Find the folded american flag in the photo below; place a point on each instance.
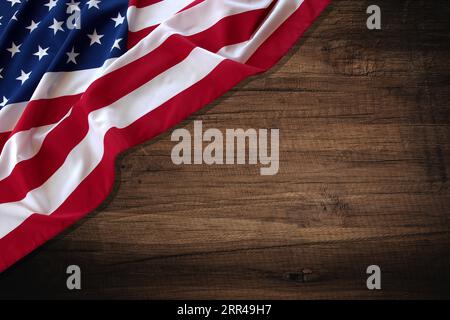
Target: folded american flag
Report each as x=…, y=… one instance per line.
x=81, y=81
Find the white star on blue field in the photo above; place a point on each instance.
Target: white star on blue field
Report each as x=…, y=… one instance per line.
x=39, y=36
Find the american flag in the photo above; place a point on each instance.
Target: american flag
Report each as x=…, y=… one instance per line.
x=82, y=81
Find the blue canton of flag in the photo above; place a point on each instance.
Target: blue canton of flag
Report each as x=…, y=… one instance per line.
x=40, y=36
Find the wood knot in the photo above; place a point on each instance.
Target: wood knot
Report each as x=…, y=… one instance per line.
x=306, y=275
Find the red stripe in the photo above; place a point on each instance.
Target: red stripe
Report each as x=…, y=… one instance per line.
x=135, y=37
x=230, y=30
x=30, y=174
x=3, y=138
x=36, y=113
x=193, y=4
x=92, y=191
x=142, y=3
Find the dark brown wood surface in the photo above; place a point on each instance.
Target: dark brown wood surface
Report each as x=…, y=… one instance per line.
x=365, y=152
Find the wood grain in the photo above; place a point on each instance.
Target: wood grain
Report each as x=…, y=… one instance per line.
x=364, y=119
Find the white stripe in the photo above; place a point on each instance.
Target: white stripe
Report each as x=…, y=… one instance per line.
x=83, y=159
x=141, y=18
x=10, y=115
x=19, y=147
x=58, y=84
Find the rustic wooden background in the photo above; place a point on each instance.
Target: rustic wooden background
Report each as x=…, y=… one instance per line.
x=365, y=152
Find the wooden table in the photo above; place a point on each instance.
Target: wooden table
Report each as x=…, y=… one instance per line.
x=364, y=179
